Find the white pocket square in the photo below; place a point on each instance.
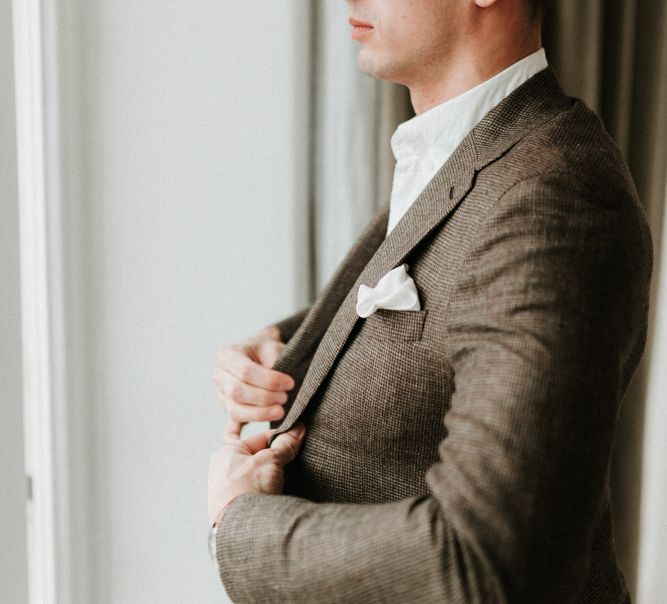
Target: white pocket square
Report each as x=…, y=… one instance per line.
x=395, y=291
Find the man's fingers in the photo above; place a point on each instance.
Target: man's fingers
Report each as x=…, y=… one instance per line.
x=233, y=388
x=236, y=362
x=268, y=352
x=286, y=446
x=251, y=413
x=258, y=442
x=232, y=431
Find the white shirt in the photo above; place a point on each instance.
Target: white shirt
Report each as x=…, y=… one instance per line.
x=424, y=143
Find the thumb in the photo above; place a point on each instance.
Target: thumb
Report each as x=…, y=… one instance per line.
x=287, y=445
x=257, y=442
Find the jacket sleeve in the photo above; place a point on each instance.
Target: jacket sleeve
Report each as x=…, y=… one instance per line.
x=289, y=325
x=545, y=327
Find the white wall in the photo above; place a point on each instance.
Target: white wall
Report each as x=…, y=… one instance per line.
x=13, y=569
x=192, y=121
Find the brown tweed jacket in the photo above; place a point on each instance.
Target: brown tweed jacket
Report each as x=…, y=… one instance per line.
x=460, y=453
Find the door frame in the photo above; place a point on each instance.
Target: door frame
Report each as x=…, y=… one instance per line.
x=47, y=435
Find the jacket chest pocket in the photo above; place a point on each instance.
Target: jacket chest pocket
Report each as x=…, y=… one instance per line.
x=394, y=325
x=392, y=384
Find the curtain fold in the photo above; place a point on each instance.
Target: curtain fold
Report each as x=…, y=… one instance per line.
x=354, y=117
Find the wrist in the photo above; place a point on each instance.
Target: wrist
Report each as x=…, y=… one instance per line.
x=221, y=513
x=213, y=532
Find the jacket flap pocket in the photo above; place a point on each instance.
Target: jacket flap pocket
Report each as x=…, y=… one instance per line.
x=398, y=325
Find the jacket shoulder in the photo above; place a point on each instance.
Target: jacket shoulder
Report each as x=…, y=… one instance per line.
x=575, y=145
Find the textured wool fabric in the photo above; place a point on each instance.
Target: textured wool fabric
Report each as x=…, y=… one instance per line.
x=460, y=453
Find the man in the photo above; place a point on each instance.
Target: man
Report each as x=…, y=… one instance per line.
x=452, y=394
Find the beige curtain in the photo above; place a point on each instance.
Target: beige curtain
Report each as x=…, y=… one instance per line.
x=353, y=118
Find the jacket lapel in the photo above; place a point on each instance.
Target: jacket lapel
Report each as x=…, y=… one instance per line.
x=503, y=127
x=437, y=201
x=319, y=317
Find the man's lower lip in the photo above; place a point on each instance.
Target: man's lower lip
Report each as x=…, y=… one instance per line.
x=359, y=32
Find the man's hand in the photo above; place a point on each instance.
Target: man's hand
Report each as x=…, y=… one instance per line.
x=249, y=389
x=249, y=465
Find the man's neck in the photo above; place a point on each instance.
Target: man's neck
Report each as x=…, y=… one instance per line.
x=464, y=74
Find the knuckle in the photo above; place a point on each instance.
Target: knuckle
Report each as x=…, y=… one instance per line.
x=288, y=443
x=260, y=414
x=245, y=372
x=290, y=449
x=227, y=387
x=274, y=381
x=223, y=391
x=269, y=474
x=235, y=391
x=265, y=399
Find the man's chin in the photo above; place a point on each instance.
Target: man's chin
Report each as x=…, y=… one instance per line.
x=373, y=68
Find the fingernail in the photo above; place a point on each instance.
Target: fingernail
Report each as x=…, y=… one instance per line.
x=277, y=412
x=283, y=398
x=298, y=430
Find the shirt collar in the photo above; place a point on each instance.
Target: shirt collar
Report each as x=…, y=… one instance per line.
x=437, y=132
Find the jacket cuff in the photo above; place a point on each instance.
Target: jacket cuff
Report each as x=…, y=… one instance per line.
x=236, y=543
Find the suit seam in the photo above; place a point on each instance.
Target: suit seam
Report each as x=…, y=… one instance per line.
x=546, y=174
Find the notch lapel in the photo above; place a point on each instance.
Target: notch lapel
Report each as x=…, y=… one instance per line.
x=320, y=315
x=536, y=101
x=447, y=188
